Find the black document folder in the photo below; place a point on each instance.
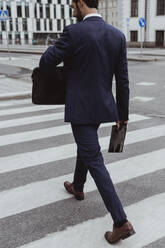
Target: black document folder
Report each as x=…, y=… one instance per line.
x=117, y=138
x=48, y=88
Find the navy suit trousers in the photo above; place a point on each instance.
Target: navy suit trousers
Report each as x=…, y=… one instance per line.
x=89, y=157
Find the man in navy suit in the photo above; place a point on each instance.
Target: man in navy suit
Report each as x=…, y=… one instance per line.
x=93, y=51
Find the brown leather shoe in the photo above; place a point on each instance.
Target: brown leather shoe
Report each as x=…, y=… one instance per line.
x=69, y=187
x=123, y=232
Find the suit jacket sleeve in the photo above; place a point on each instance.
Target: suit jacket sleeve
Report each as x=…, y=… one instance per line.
x=122, y=83
x=55, y=54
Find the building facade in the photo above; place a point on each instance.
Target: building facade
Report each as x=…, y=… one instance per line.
x=108, y=10
x=153, y=11
x=34, y=21
x=125, y=15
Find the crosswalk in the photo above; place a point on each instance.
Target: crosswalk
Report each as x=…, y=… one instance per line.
x=37, y=212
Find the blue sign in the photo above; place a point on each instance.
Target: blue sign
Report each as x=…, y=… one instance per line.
x=142, y=22
x=4, y=15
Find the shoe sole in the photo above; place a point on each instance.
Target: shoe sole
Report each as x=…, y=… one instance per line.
x=129, y=234
x=79, y=199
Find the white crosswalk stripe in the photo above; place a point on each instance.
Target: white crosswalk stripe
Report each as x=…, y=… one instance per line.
x=28, y=109
x=31, y=120
x=50, y=132
x=34, y=158
x=6, y=103
x=143, y=215
x=25, y=198
x=52, y=117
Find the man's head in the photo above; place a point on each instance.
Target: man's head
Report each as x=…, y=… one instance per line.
x=83, y=7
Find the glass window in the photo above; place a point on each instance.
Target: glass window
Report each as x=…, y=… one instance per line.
x=134, y=36
x=70, y=11
x=38, y=26
x=26, y=37
x=64, y=22
x=134, y=8
x=45, y=27
x=11, y=24
x=62, y=11
x=16, y=24
x=9, y=8
x=41, y=11
x=54, y=11
x=50, y=25
x=58, y=24
x=3, y=25
x=18, y=38
x=1, y=5
x=35, y=11
x=160, y=7
x=19, y=10
x=26, y=10
x=47, y=11
x=24, y=20
x=10, y=38
x=0, y=38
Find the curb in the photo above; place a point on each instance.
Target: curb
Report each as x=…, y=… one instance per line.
x=39, y=52
x=13, y=96
x=23, y=51
x=143, y=59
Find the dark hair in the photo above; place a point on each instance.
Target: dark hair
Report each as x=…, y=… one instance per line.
x=91, y=3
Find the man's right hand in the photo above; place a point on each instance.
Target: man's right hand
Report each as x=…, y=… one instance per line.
x=118, y=123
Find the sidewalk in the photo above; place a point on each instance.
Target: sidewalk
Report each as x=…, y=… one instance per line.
x=134, y=54
x=35, y=49
x=29, y=49
x=14, y=89
x=15, y=78
x=15, y=74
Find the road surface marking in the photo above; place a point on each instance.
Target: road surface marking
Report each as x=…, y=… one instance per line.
x=44, y=192
x=147, y=217
x=34, y=158
x=50, y=132
x=146, y=83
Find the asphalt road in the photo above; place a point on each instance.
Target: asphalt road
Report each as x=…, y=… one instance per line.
x=38, y=154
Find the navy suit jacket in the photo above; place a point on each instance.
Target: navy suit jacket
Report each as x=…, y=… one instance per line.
x=93, y=51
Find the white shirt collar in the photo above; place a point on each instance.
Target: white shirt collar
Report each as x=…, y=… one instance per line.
x=90, y=15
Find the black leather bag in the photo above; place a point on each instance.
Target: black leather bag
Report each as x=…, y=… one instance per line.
x=117, y=138
x=48, y=88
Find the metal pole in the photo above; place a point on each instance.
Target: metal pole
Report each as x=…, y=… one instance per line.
x=146, y=18
x=141, y=42
x=7, y=40
x=128, y=36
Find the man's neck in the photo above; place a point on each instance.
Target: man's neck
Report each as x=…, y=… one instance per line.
x=92, y=11
x=91, y=14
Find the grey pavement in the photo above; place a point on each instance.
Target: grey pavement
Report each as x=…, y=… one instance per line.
x=15, y=70
x=15, y=76
x=35, y=49
x=36, y=156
